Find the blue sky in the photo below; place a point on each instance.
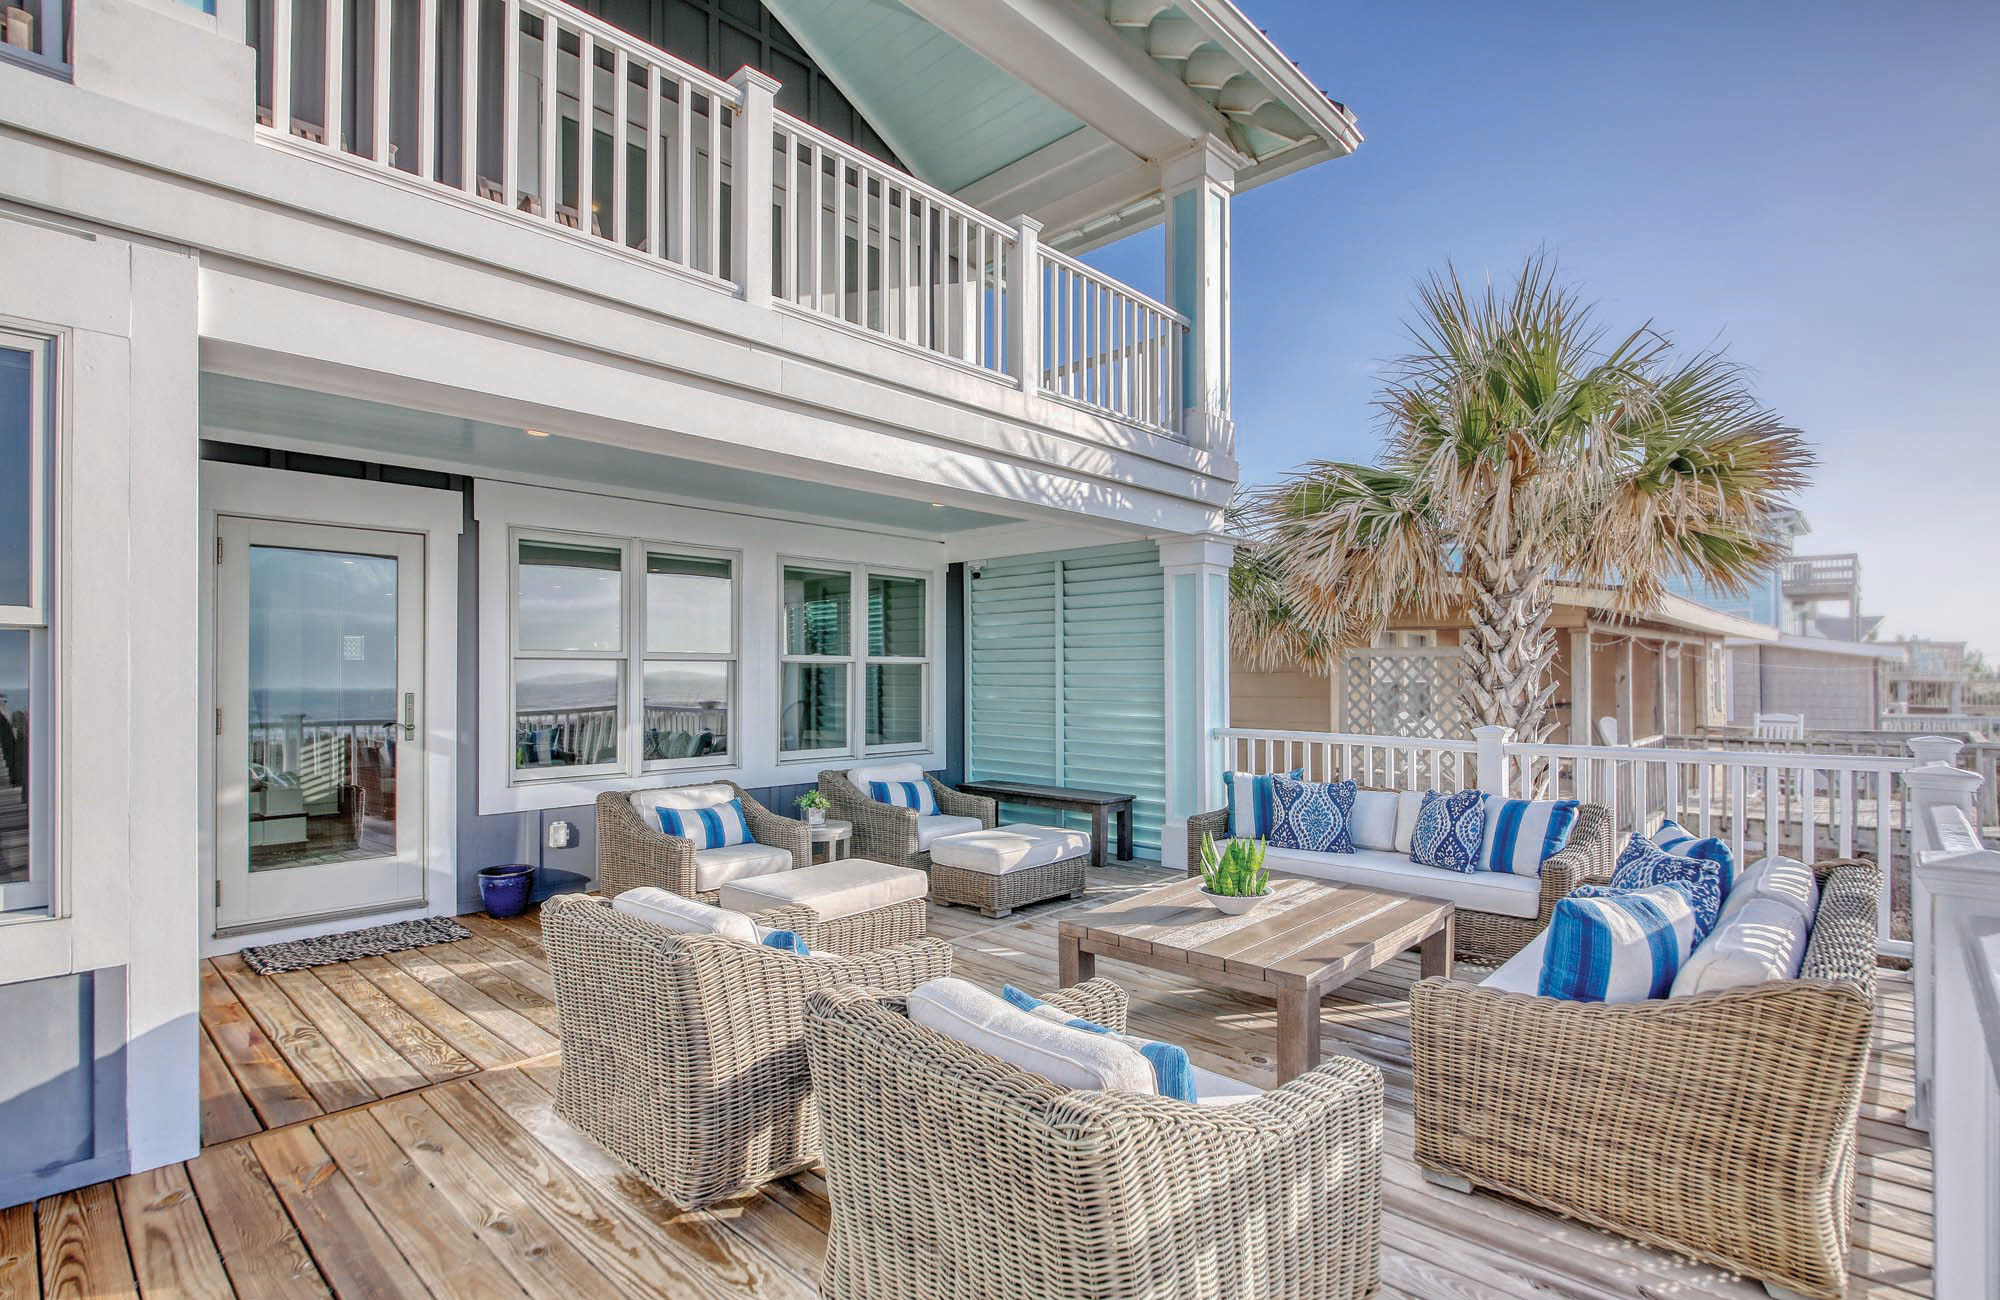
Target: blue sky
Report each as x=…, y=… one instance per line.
x=1817, y=186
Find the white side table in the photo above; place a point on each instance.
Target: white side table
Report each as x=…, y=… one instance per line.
x=835, y=835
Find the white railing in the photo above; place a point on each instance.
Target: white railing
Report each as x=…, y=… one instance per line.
x=1110, y=347
x=864, y=243
x=1758, y=802
x=1931, y=724
x=486, y=101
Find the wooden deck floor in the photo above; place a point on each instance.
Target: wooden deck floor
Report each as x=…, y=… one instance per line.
x=386, y=1128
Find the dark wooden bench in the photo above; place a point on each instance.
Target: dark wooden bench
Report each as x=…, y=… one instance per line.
x=1100, y=804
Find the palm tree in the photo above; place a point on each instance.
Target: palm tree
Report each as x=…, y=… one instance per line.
x=1524, y=447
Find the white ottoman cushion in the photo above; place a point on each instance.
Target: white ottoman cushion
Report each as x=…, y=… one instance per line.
x=930, y=829
x=678, y=797
x=713, y=868
x=832, y=890
x=1005, y=849
x=683, y=915
x=1070, y=1058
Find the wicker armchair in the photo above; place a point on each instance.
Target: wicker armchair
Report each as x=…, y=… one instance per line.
x=684, y=1055
x=1720, y=1126
x=952, y=1173
x=889, y=834
x=1487, y=937
x=632, y=852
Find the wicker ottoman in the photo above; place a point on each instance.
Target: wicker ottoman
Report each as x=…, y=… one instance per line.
x=1005, y=867
x=855, y=905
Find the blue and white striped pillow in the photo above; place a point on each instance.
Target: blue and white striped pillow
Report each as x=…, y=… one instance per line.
x=1642, y=864
x=709, y=828
x=1617, y=945
x=905, y=794
x=1522, y=834
x=1451, y=831
x=1253, y=808
x=1173, y=1073
x=1680, y=841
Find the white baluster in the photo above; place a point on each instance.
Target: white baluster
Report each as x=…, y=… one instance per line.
x=551, y=134
x=469, y=12
x=510, y=106
x=656, y=189
x=712, y=190
x=281, y=66
x=335, y=44
x=427, y=89
x=384, y=75
x=586, y=133
x=621, y=110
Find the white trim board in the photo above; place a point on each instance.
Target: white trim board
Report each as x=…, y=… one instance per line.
x=317, y=498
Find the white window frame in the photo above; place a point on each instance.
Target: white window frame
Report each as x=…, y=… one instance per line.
x=621, y=656
x=857, y=660
x=644, y=654
x=923, y=661
x=34, y=897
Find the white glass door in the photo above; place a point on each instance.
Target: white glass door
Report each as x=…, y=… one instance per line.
x=319, y=722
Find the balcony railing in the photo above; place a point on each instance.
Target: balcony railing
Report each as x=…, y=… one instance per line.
x=486, y=100
x=1822, y=571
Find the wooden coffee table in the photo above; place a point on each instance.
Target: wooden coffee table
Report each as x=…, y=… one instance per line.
x=1303, y=942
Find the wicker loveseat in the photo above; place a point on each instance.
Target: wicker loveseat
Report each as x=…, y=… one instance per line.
x=1481, y=936
x=952, y=1173
x=684, y=1055
x=1719, y=1125
x=632, y=851
x=894, y=835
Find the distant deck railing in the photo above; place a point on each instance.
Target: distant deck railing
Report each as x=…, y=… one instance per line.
x=1760, y=802
x=487, y=104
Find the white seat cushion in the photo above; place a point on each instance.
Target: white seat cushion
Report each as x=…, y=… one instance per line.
x=1070, y=1058
x=930, y=828
x=1212, y=1089
x=1783, y=880
x=890, y=773
x=832, y=889
x=1373, y=821
x=1005, y=849
x=1522, y=972
x=1481, y=891
x=683, y=915
x=1763, y=940
x=681, y=797
x=713, y=868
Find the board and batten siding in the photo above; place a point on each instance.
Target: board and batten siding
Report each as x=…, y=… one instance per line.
x=1066, y=678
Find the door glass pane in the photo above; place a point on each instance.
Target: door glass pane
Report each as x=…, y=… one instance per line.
x=17, y=482
x=566, y=712
x=815, y=707
x=896, y=617
x=895, y=704
x=571, y=597
x=322, y=707
x=687, y=709
x=816, y=611
x=687, y=605
x=16, y=704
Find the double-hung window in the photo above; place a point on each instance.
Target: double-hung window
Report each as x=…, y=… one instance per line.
x=27, y=420
x=830, y=660
x=624, y=656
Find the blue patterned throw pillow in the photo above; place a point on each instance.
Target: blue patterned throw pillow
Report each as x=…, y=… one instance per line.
x=1173, y=1073
x=905, y=794
x=1522, y=834
x=1678, y=839
x=1451, y=831
x=1252, y=806
x=1643, y=864
x=709, y=828
x=1313, y=815
x=1617, y=945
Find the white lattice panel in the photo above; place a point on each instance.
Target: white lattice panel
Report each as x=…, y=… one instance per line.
x=1405, y=692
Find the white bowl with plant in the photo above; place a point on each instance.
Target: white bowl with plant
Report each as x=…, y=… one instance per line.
x=1233, y=877
x=814, y=805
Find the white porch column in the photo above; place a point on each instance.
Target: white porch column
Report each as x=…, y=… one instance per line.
x=1197, y=645
x=1941, y=823
x=1197, y=187
x=750, y=184
x=1494, y=776
x=1024, y=304
x=1580, y=687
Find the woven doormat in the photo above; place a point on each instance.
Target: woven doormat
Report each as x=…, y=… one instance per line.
x=299, y=954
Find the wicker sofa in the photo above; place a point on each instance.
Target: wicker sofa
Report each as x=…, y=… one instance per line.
x=952, y=1173
x=1720, y=1125
x=684, y=1055
x=632, y=852
x=1481, y=935
x=893, y=835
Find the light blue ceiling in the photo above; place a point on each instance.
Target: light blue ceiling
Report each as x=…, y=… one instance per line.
x=946, y=111
x=249, y=410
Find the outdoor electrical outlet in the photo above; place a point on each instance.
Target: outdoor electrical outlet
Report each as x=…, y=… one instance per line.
x=561, y=835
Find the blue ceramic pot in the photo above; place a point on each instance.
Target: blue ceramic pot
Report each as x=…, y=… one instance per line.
x=504, y=890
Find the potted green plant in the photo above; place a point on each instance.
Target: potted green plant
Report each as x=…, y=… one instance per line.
x=1233, y=876
x=814, y=805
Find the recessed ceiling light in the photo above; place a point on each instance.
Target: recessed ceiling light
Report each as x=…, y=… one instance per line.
x=937, y=505
x=536, y=433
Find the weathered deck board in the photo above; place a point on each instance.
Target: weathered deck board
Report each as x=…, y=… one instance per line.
x=463, y=1180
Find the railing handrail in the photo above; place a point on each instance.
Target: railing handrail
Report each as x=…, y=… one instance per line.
x=1789, y=759
x=839, y=148
x=582, y=20
x=1346, y=738
x=1103, y=281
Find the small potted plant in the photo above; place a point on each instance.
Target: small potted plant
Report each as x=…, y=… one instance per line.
x=814, y=805
x=1233, y=877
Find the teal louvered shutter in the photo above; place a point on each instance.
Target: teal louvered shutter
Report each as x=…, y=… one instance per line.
x=1114, y=682
x=1012, y=727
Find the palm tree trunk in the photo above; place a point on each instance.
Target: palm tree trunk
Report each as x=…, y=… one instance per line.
x=1510, y=648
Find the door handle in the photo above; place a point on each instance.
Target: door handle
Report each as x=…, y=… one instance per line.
x=409, y=715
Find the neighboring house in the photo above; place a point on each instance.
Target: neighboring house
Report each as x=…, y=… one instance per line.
x=1834, y=685
x=1657, y=674
x=386, y=476
x=1935, y=678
